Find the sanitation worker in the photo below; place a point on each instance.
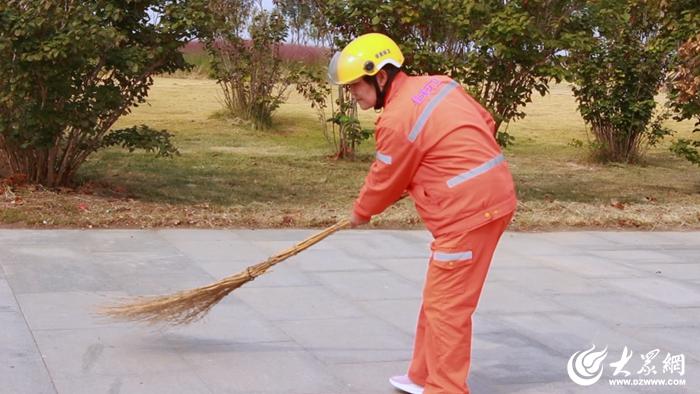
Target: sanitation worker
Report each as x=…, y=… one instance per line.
x=437, y=143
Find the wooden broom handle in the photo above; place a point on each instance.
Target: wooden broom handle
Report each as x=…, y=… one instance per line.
x=305, y=244
x=315, y=238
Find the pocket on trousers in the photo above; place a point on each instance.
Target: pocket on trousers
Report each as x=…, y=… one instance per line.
x=451, y=260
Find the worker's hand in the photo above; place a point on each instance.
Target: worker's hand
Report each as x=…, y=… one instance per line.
x=357, y=220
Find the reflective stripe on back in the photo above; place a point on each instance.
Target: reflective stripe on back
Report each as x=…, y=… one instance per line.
x=386, y=159
x=465, y=176
x=420, y=123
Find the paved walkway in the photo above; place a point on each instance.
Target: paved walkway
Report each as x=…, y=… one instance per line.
x=339, y=318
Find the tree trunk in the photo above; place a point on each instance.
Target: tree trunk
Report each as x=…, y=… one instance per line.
x=39, y=165
x=342, y=140
x=498, y=125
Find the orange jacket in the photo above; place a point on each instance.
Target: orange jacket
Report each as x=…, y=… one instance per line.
x=437, y=142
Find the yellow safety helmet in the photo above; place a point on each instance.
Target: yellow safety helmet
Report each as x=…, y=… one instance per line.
x=365, y=55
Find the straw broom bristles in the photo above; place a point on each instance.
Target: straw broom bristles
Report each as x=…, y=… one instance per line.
x=191, y=305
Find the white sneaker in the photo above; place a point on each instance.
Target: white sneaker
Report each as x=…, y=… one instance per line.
x=404, y=383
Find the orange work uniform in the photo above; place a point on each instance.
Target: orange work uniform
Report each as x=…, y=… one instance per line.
x=436, y=142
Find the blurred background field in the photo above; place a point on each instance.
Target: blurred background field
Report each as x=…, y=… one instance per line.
x=228, y=174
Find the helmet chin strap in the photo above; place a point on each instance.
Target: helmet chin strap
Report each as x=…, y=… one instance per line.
x=381, y=92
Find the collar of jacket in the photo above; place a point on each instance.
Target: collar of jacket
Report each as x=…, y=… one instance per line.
x=393, y=91
x=396, y=84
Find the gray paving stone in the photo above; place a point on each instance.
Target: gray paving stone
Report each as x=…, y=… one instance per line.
x=580, y=239
x=47, y=253
x=323, y=260
x=79, y=353
x=148, y=244
x=296, y=303
x=501, y=297
x=7, y=298
x=684, y=237
x=272, y=248
x=678, y=271
x=686, y=254
x=423, y=236
x=513, y=374
x=547, y=281
x=355, y=340
x=68, y=310
x=34, y=275
x=591, y=266
x=508, y=357
x=413, y=269
x=72, y=243
x=230, y=323
x=10, y=237
x=625, y=310
x=184, y=382
x=505, y=257
x=21, y=367
x=369, y=377
x=567, y=333
x=263, y=368
x=484, y=322
x=337, y=318
x=65, y=268
x=381, y=245
x=237, y=250
x=558, y=387
x=291, y=236
x=369, y=285
x=153, y=276
x=219, y=269
x=665, y=291
x=681, y=340
x=402, y=314
x=284, y=275
x=531, y=244
x=177, y=236
x=634, y=255
x=645, y=238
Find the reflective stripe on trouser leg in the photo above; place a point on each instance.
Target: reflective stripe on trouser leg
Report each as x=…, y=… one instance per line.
x=448, y=256
x=449, y=300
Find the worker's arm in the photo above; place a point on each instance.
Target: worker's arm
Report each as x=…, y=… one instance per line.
x=396, y=161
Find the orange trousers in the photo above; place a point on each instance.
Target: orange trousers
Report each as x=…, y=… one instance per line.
x=456, y=274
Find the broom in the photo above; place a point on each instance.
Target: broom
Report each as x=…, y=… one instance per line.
x=191, y=305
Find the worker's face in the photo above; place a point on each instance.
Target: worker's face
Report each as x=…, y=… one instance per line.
x=364, y=93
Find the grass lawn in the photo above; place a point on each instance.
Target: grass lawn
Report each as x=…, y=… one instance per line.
x=230, y=175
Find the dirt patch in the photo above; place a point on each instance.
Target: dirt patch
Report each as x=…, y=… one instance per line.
x=34, y=206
